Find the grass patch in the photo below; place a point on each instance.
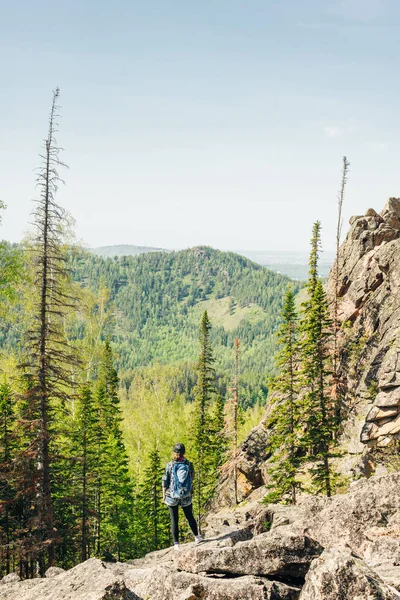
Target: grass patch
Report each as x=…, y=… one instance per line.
x=225, y=313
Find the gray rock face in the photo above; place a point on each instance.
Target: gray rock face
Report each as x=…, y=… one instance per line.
x=283, y=554
x=163, y=583
x=54, y=572
x=369, y=283
x=366, y=520
x=337, y=575
x=89, y=581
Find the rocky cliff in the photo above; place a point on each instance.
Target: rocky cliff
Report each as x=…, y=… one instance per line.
x=369, y=282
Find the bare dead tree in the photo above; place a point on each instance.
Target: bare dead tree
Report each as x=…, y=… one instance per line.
x=235, y=415
x=336, y=324
x=49, y=356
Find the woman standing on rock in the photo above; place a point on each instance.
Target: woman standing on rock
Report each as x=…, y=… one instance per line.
x=177, y=484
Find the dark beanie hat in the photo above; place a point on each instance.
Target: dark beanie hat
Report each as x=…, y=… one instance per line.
x=179, y=449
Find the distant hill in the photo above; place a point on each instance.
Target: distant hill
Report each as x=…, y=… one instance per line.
x=124, y=250
x=159, y=299
x=292, y=264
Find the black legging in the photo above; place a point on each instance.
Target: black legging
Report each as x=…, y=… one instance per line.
x=188, y=510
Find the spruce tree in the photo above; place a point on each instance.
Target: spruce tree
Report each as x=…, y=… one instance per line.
x=284, y=421
x=202, y=427
x=85, y=449
x=313, y=259
x=318, y=413
x=113, y=488
x=218, y=438
x=153, y=523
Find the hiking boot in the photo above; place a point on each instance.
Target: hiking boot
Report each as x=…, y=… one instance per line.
x=198, y=538
x=177, y=547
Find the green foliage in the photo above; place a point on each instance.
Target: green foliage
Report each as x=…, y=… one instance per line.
x=11, y=270
x=218, y=440
x=285, y=420
x=320, y=425
x=203, y=432
x=8, y=447
x=303, y=421
x=152, y=530
x=114, y=492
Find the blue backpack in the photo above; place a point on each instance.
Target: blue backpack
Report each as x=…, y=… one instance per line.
x=181, y=480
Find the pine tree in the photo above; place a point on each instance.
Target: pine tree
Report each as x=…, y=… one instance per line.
x=25, y=478
x=218, y=438
x=153, y=522
x=85, y=449
x=202, y=429
x=284, y=422
x=319, y=416
x=113, y=488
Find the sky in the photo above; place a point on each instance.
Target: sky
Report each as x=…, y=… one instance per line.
x=220, y=122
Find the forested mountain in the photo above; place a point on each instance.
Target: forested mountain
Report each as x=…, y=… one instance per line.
x=158, y=300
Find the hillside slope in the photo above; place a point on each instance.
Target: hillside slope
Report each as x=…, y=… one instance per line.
x=159, y=298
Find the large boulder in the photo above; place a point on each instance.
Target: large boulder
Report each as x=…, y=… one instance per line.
x=340, y=575
x=10, y=579
x=91, y=580
x=167, y=583
x=283, y=554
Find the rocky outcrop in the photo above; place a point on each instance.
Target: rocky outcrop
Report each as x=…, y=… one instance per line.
x=369, y=284
x=283, y=554
x=339, y=574
x=166, y=582
x=366, y=521
x=250, y=463
x=345, y=547
x=91, y=580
